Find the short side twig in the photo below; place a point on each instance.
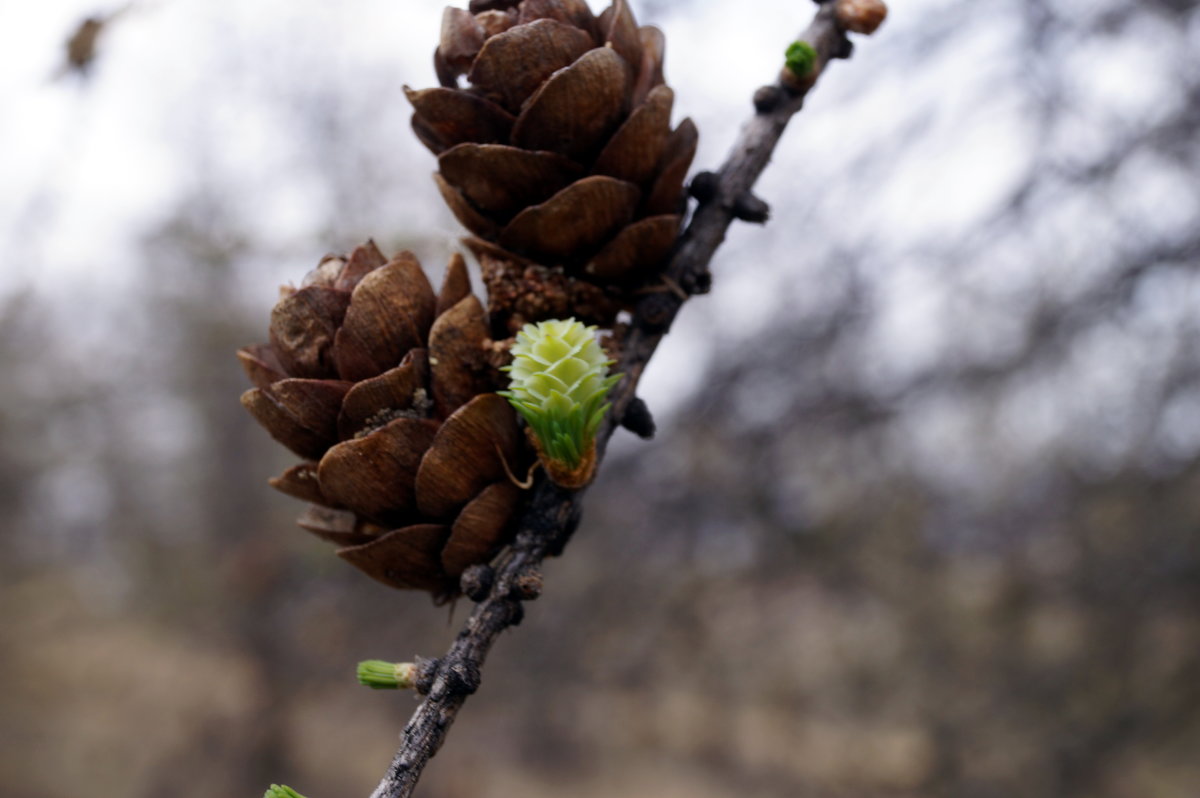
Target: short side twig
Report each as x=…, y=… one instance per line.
x=553, y=513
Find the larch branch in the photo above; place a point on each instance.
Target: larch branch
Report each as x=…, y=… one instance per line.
x=552, y=513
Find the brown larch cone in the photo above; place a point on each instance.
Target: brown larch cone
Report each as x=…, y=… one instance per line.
x=384, y=388
x=560, y=153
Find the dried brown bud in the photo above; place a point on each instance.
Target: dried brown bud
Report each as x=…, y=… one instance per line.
x=81, y=46
x=861, y=16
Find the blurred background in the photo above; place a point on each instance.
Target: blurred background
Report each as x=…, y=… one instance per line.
x=921, y=518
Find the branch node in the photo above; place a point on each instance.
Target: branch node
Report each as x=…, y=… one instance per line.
x=705, y=185
x=476, y=582
x=427, y=671
x=767, y=98
x=637, y=419
x=750, y=208
x=463, y=678
x=656, y=311
x=697, y=282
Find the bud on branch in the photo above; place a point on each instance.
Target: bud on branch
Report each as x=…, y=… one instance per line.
x=380, y=675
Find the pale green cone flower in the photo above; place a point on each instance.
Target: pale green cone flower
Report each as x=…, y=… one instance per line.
x=559, y=383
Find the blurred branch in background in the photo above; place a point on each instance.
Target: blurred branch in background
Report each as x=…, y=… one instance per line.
x=947, y=497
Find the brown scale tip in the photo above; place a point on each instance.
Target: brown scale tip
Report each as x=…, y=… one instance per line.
x=861, y=16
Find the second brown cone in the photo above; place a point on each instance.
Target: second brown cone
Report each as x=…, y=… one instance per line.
x=559, y=155
x=384, y=389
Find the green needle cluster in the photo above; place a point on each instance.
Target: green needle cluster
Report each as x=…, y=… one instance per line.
x=559, y=383
x=280, y=791
x=800, y=58
x=380, y=675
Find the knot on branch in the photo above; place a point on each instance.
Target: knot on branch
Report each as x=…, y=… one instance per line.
x=427, y=671
x=656, y=311
x=637, y=419
x=704, y=187
x=767, y=99
x=697, y=282
x=462, y=678
x=476, y=582
x=750, y=208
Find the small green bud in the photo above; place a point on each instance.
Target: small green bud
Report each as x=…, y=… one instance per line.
x=559, y=383
x=800, y=58
x=281, y=791
x=380, y=675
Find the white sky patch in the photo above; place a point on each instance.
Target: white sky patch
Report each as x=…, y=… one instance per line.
x=1164, y=303
x=1157, y=197
x=1127, y=77
x=906, y=336
x=970, y=154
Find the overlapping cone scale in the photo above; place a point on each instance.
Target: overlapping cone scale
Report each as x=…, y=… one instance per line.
x=557, y=149
x=384, y=389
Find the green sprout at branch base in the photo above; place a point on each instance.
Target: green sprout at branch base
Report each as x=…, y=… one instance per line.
x=559, y=384
x=380, y=675
x=280, y=791
x=800, y=58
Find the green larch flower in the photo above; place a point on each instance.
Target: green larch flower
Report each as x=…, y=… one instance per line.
x=559, y=383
